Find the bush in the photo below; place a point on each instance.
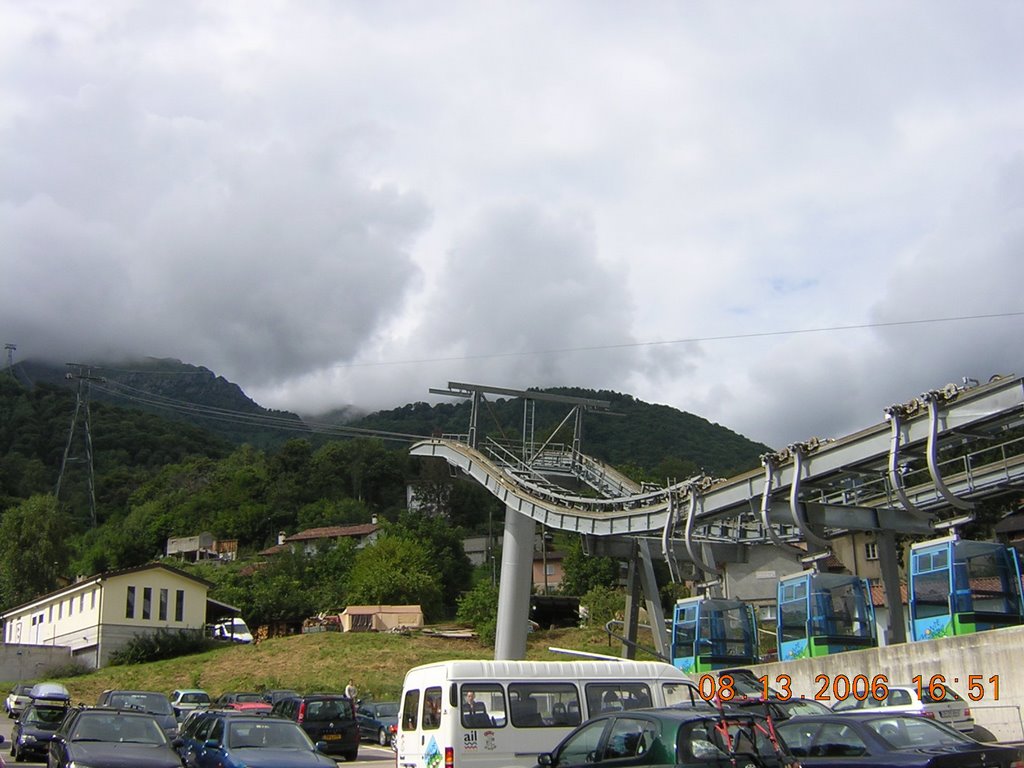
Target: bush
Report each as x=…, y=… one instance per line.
x=163, y=644
x=67, y=669
x=479, y=609
x=602, y=604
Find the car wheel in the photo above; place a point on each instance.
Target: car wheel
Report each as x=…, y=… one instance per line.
x=382, y=737
x=350, y=757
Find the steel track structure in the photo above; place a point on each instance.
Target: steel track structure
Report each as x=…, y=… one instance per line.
x=941, y=452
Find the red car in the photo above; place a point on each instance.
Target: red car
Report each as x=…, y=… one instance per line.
x=244, y=702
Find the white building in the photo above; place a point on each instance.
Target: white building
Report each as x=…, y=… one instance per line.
x=96, y=616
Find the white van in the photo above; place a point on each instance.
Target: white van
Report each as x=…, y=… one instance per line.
x=235, y=630
x=493, y=714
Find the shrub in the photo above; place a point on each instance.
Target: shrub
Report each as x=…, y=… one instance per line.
x=479, y=609
x=163, y=644
x=602, y=604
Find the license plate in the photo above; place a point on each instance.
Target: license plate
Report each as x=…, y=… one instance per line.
x=332, y=736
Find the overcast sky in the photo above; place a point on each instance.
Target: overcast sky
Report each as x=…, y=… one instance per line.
x=335, y=202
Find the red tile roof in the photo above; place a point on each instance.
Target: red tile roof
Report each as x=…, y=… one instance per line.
x=334, y=532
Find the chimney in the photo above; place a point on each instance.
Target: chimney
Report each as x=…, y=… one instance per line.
x=280, y=537
x=373, y=520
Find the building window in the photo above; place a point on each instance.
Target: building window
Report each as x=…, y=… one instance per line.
x=60, y=610
x=179, y=605
x=163, y=605
x=870, y=551
x=147, y=602
x=129, y=610
x=92, y=600
x=51, y=613
x=71, y=605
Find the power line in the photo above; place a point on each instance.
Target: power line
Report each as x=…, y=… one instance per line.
x=689, y=340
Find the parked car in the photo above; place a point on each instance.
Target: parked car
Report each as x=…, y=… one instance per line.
x=185, y=700
x=327, y=717
x=782, y=710
x=378, y=721
x=151, y=702
x=249, y=702
x=275, y=695
x=884, y=740
x=950, y=710
x=226, y=739
x=108, y=737
x=31, y=734
x=17, y=699
x=670, y=737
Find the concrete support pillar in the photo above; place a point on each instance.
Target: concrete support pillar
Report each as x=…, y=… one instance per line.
x=889, y=562
x=514, y=587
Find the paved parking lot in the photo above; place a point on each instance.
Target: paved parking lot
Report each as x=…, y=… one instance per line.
x=369, y=754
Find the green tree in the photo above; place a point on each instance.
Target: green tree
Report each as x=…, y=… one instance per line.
x=33, y=549
x=479, y=608
x=453, y=570
x=582, y=572
x=396, y=570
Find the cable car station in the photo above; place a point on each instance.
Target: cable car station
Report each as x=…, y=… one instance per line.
x=916, y=474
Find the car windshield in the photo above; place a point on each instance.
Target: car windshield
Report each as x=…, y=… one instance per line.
x=135, y=730
x=22, y=690
x=43, y=716
x=267, y=734
x=249, y=698
x=915, y=732
x=155, y=703
x=194, y=698
x=386, y=710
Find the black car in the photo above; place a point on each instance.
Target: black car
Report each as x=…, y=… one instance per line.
x=109, y=737
x=780, y=710
x=150, y=702
x=327, y=717
x=671, y=736
x=874, y=740
x=377, y=721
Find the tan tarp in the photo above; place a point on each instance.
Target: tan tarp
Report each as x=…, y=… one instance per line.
x=380, y=618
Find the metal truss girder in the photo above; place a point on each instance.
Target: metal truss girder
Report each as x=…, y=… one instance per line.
x=861, y=518
x=871, y=445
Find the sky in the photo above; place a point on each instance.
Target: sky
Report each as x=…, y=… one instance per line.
x=780, y=216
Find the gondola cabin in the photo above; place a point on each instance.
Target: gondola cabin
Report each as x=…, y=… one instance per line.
x=824, y=613
x=960, y=587
x=713, y=633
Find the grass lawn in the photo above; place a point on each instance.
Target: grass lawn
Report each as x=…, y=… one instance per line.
x=325, y=661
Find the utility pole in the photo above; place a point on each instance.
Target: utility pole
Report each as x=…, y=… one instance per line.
x=85, y=378
x=10, y=356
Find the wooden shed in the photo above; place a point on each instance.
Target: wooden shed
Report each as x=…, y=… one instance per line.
x=380, y=618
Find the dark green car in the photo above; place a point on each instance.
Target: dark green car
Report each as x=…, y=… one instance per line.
x=670, y=737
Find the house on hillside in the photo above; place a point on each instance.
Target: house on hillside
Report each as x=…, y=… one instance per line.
x=99, y=615
x=313, y=540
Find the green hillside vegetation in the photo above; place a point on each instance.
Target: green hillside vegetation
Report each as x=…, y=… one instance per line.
x=157, y=479
x=323, y=661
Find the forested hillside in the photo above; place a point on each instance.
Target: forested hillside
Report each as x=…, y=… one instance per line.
x=156, y=478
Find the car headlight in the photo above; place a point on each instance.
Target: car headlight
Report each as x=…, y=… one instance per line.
x=26, y=738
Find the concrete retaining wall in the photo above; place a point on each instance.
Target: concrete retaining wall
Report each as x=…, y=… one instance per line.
x=30, y=662
x=997, y=653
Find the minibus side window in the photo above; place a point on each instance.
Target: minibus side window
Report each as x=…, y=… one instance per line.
x=615, y=697
x=682, y=693
x=432, y=708
x=410, y=706
x=544, y=705
x=483, y=705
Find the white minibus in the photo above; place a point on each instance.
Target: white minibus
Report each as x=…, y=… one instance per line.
x=492, y=714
